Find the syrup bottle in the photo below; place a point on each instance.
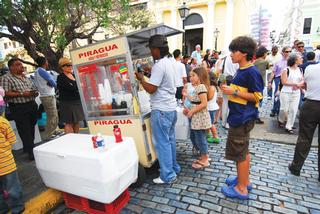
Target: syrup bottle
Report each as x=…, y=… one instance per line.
x=117, y=133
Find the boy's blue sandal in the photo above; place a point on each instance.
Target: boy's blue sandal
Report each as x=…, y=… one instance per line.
x=231, y=192
x=233, y=181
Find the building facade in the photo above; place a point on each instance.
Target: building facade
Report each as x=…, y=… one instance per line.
x=8, y=47
x=310, y=29
x=230, y=17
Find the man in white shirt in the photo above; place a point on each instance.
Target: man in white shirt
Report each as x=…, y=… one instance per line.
x=309, y=119
x=227, y=68
x=162, y=89
x=197, y=54
x=181, y=74
x=272, y=58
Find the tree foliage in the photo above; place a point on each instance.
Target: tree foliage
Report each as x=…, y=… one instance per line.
x=47, y=27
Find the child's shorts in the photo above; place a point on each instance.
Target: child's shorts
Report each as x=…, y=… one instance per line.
x=212, y=113
x=237, y=146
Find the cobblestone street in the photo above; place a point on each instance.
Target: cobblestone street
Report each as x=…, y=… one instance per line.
x=275, y=190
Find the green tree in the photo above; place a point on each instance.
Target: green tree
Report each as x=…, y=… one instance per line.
x=47, y=27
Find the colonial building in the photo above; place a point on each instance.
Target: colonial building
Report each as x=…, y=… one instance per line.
x=310, y=29
x=230, y=18
x=8, y=47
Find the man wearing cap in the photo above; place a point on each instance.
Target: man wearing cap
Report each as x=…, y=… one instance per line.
x=46, y=86
x=162, y=88
x=197, y=54
x=20, y=95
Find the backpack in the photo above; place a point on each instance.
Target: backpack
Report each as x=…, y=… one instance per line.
x=281, y=85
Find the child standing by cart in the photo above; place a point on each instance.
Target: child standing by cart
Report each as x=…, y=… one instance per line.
x=199, y=114
x=212, y=136
x=244, y=95
x=10, y=188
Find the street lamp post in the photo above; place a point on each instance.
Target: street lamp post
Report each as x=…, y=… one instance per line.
x=184, y=12
x=216, y=34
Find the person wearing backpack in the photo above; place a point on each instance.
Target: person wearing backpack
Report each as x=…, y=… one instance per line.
x=292, y=81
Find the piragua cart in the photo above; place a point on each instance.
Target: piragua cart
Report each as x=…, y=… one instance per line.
x=110, y=93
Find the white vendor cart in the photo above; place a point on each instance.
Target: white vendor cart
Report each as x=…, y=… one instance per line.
x=110, y=93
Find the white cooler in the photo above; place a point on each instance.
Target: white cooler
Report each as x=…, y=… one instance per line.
x=182, y=125
x=71, y=164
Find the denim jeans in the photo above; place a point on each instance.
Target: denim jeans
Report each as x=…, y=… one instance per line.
x=11, y=184
x=198, y=138
x=269, y=91
x=164, y=140
x=276, y=100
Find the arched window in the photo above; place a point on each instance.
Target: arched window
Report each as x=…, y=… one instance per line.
x=193, y=19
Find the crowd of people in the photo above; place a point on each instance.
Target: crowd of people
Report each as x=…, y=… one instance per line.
x=214, y=89
x=227, y=89
x=17, y=101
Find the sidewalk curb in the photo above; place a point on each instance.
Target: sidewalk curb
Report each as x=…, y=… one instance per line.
x=44, y=202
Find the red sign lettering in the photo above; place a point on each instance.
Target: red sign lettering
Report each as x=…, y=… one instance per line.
x=102, y=51
x=112, y=122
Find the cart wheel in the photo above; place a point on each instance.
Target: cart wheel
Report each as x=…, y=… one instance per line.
x=141, y=177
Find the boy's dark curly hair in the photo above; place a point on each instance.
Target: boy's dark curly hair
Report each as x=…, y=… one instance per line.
x=244, y=44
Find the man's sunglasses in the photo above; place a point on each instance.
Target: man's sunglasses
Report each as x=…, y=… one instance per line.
x=287, y=51
x=300, y=46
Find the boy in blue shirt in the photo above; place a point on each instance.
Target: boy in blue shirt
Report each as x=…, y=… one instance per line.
x=244, y=95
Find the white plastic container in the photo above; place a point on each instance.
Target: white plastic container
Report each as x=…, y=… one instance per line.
x=182, y=125
x=71, y=164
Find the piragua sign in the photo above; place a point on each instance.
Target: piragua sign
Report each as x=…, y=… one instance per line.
x=101, y=50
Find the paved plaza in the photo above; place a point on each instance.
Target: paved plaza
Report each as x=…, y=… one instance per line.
x=275, y=190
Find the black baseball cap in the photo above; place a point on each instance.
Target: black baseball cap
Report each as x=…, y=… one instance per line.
x=158, y=41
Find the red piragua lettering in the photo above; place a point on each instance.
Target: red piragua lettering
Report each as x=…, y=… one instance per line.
x=101, y=50
x=112, y=122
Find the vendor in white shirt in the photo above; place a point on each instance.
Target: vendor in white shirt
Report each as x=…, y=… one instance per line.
x=162, y=90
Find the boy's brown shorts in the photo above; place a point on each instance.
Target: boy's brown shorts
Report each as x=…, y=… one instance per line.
x=238, y=141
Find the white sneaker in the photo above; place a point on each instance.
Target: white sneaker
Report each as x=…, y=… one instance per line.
x=160, y=181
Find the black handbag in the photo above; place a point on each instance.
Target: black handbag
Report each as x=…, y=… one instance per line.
x=7, y=113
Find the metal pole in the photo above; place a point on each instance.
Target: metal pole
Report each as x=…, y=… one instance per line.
x=216, y=43
x=184, y=46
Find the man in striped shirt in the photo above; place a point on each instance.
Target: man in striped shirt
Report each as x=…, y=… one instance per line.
x=20, y=94
x=9, y=182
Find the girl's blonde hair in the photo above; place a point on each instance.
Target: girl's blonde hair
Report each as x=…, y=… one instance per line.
x=203, y=75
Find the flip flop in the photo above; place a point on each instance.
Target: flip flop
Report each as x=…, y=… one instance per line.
x=233, y=181
x=198, y=160
x=200, y=165
x=231, y=192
